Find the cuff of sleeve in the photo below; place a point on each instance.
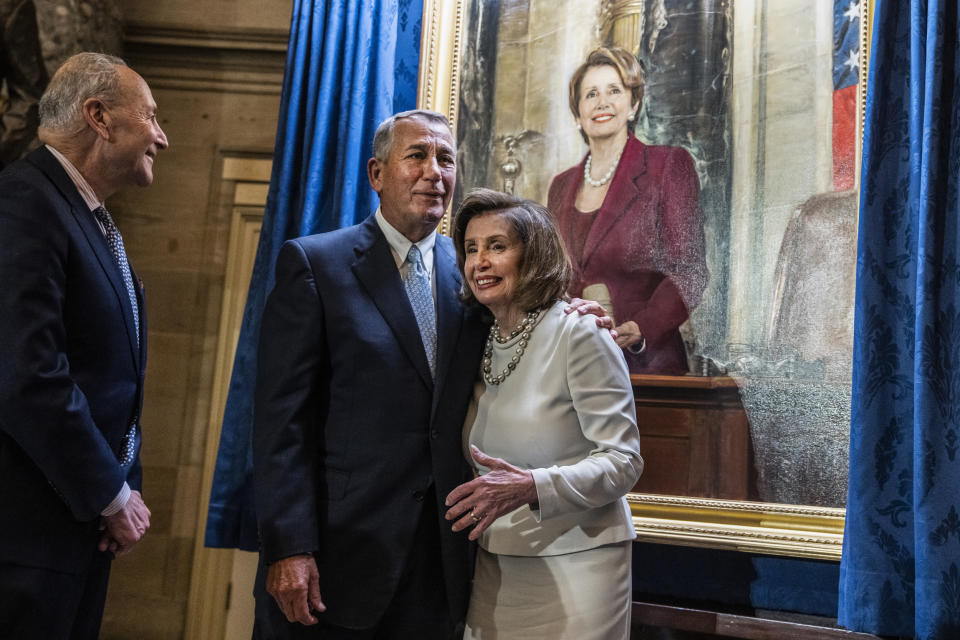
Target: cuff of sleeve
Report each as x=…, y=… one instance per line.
x=546, y=495
x=303, y=554
x=638, y=348
x=119, y=502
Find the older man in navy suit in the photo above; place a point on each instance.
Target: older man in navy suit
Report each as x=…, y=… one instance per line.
x=365, y=365
x=72, y=352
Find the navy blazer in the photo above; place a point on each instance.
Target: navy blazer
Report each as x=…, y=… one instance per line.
x=71, y=369
x=350, y=430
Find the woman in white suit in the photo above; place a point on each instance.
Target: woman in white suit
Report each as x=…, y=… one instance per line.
x=551, y=431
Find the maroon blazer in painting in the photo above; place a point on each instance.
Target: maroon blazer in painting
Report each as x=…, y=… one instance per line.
x=645, y=244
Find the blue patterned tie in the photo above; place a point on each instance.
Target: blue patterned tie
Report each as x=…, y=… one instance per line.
x=115, y=241
x=130, y=443
x=420, y=293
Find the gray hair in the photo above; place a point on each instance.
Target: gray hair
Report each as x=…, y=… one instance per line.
x=383, y=138
x=83, y=76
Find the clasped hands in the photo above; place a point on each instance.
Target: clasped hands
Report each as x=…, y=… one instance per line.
x=124, y=529
x=485, y=498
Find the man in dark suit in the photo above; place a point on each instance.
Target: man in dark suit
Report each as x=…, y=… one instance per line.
x=72, y=348
x=366, y=362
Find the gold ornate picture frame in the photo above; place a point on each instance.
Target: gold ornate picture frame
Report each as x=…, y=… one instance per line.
x=777, y=528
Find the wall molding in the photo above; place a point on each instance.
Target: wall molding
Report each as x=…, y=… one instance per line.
x=245, y=177
x=218, y=60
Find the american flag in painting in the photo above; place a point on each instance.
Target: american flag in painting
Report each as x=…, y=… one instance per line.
x=846, y=73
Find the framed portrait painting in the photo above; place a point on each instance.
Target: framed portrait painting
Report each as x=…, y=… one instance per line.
x=728, y=228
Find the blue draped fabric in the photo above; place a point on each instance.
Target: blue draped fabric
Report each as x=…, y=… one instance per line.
x=900, y=573
x=350, y=64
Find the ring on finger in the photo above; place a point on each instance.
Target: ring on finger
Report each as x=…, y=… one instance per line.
x=474, y=516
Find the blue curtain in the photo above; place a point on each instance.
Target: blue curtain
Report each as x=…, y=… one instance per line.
x=350, y=64
x=900, y=573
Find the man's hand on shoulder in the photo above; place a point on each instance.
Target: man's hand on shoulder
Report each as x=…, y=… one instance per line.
x=584, y=307
x=125, y=528
x=294, y=583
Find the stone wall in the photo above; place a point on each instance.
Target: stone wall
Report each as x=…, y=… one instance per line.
x=69, y=26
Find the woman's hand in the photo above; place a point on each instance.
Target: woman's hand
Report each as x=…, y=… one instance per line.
x=484, y=499
x=628, y=334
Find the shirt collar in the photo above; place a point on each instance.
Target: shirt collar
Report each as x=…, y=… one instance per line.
x=400, y=245
x=86, y=191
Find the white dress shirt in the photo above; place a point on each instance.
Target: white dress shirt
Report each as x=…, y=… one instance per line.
x=400, y=246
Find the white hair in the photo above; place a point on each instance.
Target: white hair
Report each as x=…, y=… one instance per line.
x=83, y=76
x=383, y=138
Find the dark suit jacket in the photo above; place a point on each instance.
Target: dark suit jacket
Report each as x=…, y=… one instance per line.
x=646, y=245
x=71, y=373
x=350, y=431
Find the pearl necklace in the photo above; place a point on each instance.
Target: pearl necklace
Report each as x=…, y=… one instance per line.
x=606, y=178
x=523, y=330
x=495, y=329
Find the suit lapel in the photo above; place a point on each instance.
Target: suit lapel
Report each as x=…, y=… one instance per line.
x=449, y=310
x=45, y=161
x=377, y=272
x=620, y=197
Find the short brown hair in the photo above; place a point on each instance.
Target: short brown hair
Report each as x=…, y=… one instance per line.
x=545, y=269
x=626, y=64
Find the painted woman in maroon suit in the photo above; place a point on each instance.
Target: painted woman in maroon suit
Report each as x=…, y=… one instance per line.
x=630, y=216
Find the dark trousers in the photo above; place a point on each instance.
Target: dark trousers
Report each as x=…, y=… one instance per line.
x=36, y=602
x=419, y=607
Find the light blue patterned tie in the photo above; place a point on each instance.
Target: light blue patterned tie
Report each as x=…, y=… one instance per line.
x=115, y=241
x=420, y=293
x=130, y=443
